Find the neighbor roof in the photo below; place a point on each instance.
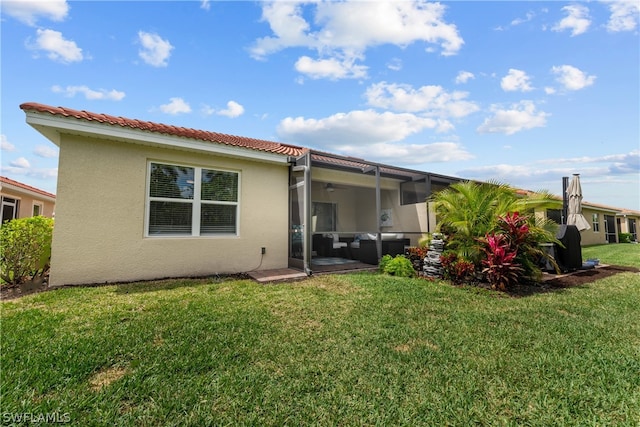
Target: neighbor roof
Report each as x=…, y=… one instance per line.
x=202, y=135
x=7, y=181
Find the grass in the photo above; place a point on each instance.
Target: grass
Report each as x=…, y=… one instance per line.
x=627, y=254
x=357, y=349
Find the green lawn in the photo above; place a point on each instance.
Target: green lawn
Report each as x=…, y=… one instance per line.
x=357, y=349
x=617, y=254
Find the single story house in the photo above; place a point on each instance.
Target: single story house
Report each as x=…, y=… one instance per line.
x=604, y=227
x=628, y=221
x=20, y=200
x=140, y=200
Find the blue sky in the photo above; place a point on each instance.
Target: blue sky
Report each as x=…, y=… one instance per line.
x=520, y=92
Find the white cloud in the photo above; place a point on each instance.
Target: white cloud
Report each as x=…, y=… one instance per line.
x=47, y=174
x=57, y=48
x=90, y=94
x=155, y=51
x=617, y=163
x=395, y=64
x=45, y=151
x=528, y=17
x=205, y=4
x=332, y=68
x=410, y=154
x=176, y=106
x=572, y=78
x=207, y=110
x=5, y=145
x=233, y=110
x=430, y=100
x=577, y=20
x=594, y=169
x=339, y=41
x=519, y=117
x=624, y=15
x=20, y=163
x=29, y=12
x=549, y=90
x=516, y=80
x=464, y=76
x=362, y=127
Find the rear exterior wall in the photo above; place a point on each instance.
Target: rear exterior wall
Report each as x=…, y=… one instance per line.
x=99, y=234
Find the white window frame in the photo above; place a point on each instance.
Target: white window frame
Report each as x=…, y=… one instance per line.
x=196, y=202
x=595, y=220
x=15, y=204
x=40, y=208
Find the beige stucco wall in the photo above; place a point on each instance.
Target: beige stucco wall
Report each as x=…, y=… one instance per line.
x=624, y=222
x=592, y=237
x=25, y=206
x=99, y=232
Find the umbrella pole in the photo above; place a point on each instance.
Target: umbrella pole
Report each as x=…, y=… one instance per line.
x=565, y=199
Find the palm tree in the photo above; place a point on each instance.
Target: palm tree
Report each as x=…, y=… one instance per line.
x=468, y=211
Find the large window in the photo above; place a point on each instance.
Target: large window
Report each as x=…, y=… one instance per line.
x=595, y=219
x=191, y=201
x=9, y=208
x=555, y=215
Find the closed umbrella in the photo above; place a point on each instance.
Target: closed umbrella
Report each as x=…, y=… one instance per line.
x=574, y=211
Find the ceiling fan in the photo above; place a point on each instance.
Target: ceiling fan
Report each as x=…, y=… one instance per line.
x=330, y=187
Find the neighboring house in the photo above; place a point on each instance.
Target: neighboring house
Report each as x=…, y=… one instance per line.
x=628, y=221
x=601, y=219
x=603, y=224
x=140, y=200
x=21, y=200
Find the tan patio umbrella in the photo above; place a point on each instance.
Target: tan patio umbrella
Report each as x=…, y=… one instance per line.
x=574, y=211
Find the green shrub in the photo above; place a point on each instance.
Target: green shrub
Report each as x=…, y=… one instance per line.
x=399, y=266
x=25, y=249
x=625, y=237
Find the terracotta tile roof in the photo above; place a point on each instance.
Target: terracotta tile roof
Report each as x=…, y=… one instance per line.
x=201, y=135
x=5, y=180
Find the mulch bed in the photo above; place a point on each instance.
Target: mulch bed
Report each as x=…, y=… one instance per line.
x=549, y=284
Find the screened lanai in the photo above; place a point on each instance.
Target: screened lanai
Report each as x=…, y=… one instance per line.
x=347, y=212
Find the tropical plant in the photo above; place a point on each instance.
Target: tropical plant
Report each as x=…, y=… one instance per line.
x=26, y=249
x=417, y=254
x=456, y=269
x=524, y=236
x=501, y=268
x=468, y=211
x=625, y=237
x=399, y=266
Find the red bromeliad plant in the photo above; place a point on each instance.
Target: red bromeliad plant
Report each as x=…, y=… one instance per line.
x=501, y=269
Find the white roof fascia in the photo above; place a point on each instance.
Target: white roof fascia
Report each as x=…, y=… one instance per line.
x=51, y=126
x=599, y=208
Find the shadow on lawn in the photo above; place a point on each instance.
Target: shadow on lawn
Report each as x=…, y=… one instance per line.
x=551, y=284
